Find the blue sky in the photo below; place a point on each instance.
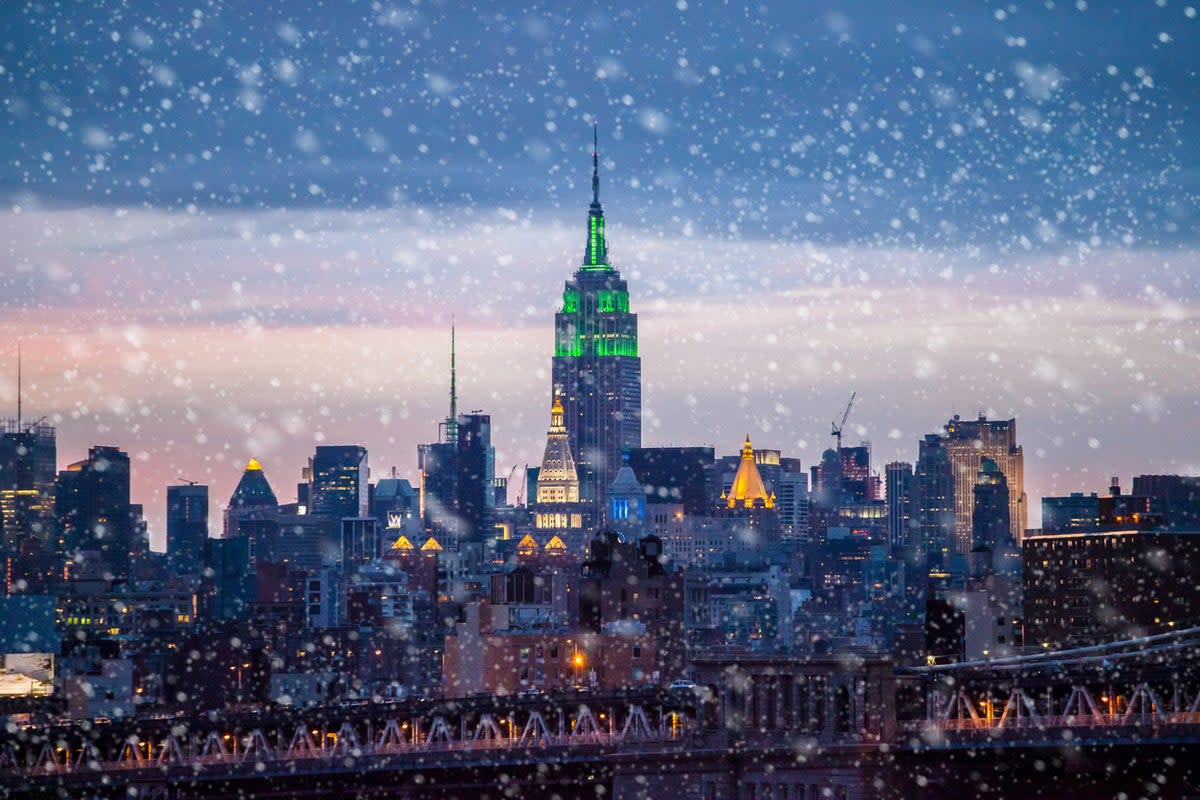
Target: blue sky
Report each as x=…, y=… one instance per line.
x=244, y=227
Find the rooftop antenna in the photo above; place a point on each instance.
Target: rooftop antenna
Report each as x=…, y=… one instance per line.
x=18, y=386
x=595, y=164
x=452, y=422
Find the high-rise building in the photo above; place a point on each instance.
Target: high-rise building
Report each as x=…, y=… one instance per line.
x=792, y=502
x=596, y=369
x=253, y=512
x=337, y=479
x=27, y=469
x=901, y=488
x=187, y=526
x=934, y=508
x=92, y=505
x=991, y=528
x=476, y=467
x=968, y=442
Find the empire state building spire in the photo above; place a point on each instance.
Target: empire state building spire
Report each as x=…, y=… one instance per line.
x=595, y=255
x=597, y=374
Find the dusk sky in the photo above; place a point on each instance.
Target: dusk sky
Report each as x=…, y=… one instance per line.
x=242, y=229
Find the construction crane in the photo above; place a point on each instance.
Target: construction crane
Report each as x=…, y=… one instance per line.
x=836, y=427
x=188, y=481
x=29, y=428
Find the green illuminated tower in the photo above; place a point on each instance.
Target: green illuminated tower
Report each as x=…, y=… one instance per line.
x=597, y=372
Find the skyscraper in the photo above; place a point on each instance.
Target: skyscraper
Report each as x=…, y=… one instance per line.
x=967, y=443
x=596, y=369
x=338, y=477
x=990, y=523
x=27, y=468
x=901, y=487
x=187, y=526
x=92, y=504
x=934, y=511
x=476, y=466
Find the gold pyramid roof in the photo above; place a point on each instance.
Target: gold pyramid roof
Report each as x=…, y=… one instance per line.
x=403, y=543
x=748, y=487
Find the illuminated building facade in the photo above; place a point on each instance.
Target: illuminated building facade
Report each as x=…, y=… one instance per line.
x=338, y=476
x=1137, y=583
x=967, y=443
x=27, y=469
x=556, y=502
x=596, y=369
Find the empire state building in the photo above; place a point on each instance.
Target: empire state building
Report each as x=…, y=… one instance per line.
x=597, y=373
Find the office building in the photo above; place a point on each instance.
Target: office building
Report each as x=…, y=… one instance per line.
x=901, y=490
x=934, y=507
x=92, y=505
x=967, y=443
x=337, y=477
x=596, y=369
x=682, y=475
x=27, y=470
x=475, y=500
x=187, y=526
x=1175, y=497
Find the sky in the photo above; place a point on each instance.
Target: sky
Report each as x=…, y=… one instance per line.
x=242, y=229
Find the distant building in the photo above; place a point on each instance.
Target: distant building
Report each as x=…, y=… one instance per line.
x=1175, y=497
x=1083, y=588
x=187, y=526
x=991, y=531
x=793, y=504
x=901, y=490
x=1080, y=513
x=27, y=470
x=337, y=477
x=476, y=465
x=968, y=442
x=677, y=475
x=596, y=369
x=93, y=507
x=229, y=585
x=934, y=508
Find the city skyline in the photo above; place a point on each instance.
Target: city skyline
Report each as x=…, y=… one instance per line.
x=792, y=229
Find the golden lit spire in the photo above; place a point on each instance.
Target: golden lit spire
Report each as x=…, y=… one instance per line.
x=748, y=487
x=253, y=466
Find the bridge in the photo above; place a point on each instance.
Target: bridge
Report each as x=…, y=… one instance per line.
x=757, y=726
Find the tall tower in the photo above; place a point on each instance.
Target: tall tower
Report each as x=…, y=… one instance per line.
x=596, y=369
x=187, y=526
x=968, y=442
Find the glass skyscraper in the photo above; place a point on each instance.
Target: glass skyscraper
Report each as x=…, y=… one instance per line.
x=596, y=370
